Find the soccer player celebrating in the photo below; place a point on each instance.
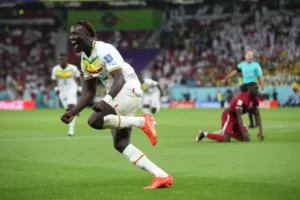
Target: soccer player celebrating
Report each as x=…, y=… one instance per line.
x=65, y=85
x=152, y=94
x=100, y=60
x=251, y=72
x=232, y=122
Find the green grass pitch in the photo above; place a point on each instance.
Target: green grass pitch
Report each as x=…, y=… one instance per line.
x=39, y=162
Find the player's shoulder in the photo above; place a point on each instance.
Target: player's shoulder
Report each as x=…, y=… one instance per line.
x=72, y=66
x=103, y=46
x=105, y=50
x=242, y=96
x=149, y=81
x=56, y=67
x=255, y=63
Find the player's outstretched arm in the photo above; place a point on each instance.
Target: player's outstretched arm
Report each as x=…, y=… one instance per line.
x=231, y=74
x=116, y=87
x=258, y=119
x=239, y=113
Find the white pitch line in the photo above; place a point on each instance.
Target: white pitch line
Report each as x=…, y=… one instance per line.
x=54, y=138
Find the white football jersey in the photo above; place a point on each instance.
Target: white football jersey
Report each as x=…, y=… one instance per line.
x=104, y=59
x=65, y=77
x=151, y=86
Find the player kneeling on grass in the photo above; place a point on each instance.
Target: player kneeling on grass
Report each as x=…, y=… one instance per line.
x=100, y=60
x=232, y=122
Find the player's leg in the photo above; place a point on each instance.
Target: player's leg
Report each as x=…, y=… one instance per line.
x=238, y=133
x=123, y=104
x=146, y=103
x=244, y=88
x=64, y=101
x=121, y=139
x=71, y=102
x=250, y=115
x=72, y=123
x=227, y=127
x=155, y=102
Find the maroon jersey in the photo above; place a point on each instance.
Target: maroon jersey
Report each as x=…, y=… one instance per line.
x=243, y=100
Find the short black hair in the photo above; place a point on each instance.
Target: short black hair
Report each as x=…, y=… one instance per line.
x=89, y=27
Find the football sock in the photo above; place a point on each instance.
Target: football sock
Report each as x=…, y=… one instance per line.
x=115, y=121
x=217, y=137
x=135, y=156
x=146, y=110
x=72, y=127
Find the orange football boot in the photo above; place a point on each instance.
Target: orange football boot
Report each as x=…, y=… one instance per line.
x=160, y=182
x=149, y=129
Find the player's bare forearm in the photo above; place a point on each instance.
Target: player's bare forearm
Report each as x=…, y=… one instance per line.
x=258, y=119
x=118, y=83
x=241, y=125
x=88, y=95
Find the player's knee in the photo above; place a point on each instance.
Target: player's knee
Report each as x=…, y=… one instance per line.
x=95, y=122
x=121, y=145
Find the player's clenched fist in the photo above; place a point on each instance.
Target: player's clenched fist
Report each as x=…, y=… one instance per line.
x=67, y=117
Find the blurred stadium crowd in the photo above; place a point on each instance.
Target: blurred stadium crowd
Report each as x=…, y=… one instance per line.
x=198, y=47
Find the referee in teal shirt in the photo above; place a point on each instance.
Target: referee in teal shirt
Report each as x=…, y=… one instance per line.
x=251, y=72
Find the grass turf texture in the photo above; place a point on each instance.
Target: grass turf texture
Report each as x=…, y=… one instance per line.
x=38, y=161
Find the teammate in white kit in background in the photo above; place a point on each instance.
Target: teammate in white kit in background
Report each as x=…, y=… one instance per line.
x=152, y=94
x=116, y=111
x=66, y=81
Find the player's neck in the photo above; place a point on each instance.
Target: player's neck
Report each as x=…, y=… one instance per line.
x=89, y=49
x=64, y=66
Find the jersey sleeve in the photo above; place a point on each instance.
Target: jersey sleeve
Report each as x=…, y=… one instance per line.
x=77, y=72
x=239, y=104
x=150, y=83
x=53, y=76
x=111, y=57
x=258, y=70
x=239, y=67
x=86, y=74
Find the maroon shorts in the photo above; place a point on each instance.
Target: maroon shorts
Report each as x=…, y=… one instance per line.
x=231, y=126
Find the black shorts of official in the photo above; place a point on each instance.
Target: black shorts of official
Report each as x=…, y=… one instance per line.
x=244, y=88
